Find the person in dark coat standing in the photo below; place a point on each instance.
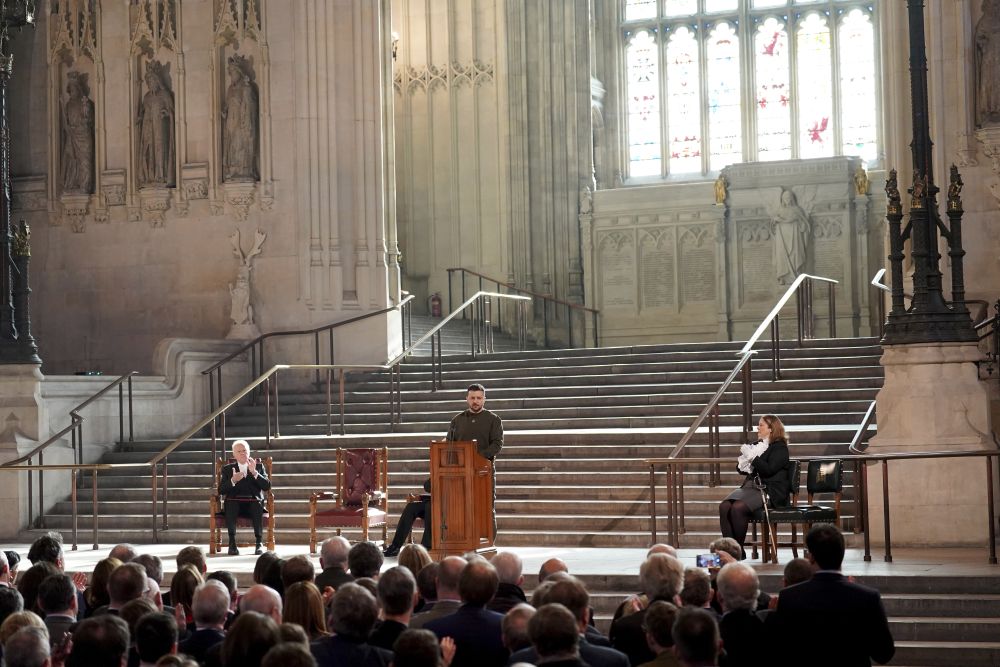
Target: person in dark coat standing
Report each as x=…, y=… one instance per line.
x=485, y=427
x=243, y=484
x=353, y=614
x=829, y=605
x=765, y=460
x=475, y=629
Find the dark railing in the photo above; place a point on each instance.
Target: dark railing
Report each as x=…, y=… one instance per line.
x=802, y=289
x=75, y=429
x=267, y=383
x=545, y=299
x=989, y=330
x=255, y=348
x=675, y=492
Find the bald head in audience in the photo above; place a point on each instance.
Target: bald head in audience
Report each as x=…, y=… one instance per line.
x=333, y=553
x=509, y=568
x=661, y=549
x=449, y=574
x=123, y=552
x=549, y=567
x=263, y=600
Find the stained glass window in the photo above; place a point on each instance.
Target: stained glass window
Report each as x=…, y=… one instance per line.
x=774, y=96
x=815, y=89
x=857, y=83
x=723, y=84
x=683, y=102
x=643, y=105
x=709, y=83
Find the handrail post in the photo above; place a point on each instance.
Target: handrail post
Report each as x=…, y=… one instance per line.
x=166, y=491
x=93, y=485
x=990, y=510
x=545, y=321
x=72, y=491
x=41, y=491
x=881, y=313
x=433, y=363
x=211, y=392
x=31, y=497
x=277, y=411
x=569, y=324
x=833, y=309
x=652, y=501
x=329, y=403
x=253, y=373
x=316, y=348
x=747, y=397
x=463, y=291
x=156, y=527
x=451, y=307
x=267, y=410
x=864, y=510
x=885, y=510
x=131, y=414
x=775, y=350
x=343, y=427
x=799, y=307
x=593, y=315
x=121, y=414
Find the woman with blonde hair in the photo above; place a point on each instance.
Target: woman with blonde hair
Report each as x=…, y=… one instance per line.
x=304, y=607
x=18, y=620
x=414, y=557
x=763, y=463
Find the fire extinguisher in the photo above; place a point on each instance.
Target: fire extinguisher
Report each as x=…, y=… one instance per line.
x=435, y=302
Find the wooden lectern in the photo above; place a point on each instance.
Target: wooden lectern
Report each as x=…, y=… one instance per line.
x=462, y=505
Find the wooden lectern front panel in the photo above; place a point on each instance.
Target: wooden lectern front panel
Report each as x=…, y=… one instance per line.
x=461, y=486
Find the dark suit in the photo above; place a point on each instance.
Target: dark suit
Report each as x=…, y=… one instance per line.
x=811, y=615
x=334, y=577
x=595, y=656
x=627, y=636
x=508, y=596
x=741, y=632
x=476, y=632
x=440, y=609
x=386, y=633
x=58, y=625
x=337, y=651
x=199, y=642
x=245, y=498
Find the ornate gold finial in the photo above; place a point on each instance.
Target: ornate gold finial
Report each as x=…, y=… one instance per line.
x=955, y=190
x=861, y=183
x=721, y=187
x=918, y=192
x=894, y=204
x=22, y=240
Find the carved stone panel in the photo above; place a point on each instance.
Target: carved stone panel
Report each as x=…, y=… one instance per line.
x=829, y=248
x=656, y=268
x=756, y=270
x=698, y=269
x=616, y=264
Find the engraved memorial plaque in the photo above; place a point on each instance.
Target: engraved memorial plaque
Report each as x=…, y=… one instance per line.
x=656, y=265
x=697, y=264
x=617, y=266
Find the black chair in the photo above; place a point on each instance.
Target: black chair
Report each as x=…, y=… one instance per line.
x=787, y=513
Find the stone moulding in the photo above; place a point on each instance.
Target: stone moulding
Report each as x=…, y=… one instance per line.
x=74, y=209
x=29, y=193
x=155, y=202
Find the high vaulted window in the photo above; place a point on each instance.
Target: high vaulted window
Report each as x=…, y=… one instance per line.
x=712, y=82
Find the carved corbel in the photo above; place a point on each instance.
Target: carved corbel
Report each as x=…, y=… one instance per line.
x=74, y=209
x=989, y=137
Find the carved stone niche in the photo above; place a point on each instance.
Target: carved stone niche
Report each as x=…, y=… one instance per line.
x=113, y=187
x=989, y=136
x=194, y=180
x=74, y=208
x=154, y=204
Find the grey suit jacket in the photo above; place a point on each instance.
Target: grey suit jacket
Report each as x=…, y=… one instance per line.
x=440, y=609
x=58, y=625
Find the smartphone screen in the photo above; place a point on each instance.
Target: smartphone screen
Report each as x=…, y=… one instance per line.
x=707, y=560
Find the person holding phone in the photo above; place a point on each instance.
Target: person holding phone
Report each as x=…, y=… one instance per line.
x=243, y=484
x=765, y=461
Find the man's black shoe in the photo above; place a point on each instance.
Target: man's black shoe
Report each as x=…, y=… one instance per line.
x=258, y=550
x=233, y=551
x=391, y=551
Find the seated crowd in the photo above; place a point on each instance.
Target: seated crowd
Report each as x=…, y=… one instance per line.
x=459, y=612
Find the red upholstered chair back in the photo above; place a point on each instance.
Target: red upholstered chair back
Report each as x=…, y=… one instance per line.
x=360, y=475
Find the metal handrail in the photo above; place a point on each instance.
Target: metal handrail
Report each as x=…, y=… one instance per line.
x=483, y=304
x=744, y=365
x=256, y=346
x=859, y=435
x=546, y=299
x=75, y=429
x=675, y=491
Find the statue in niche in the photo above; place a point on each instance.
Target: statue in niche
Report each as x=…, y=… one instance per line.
x=156, y=129
x=790, y=228
x=241, y=310
x=240, y=121
x=586, y=200
x=78, y=137
x=988, y=64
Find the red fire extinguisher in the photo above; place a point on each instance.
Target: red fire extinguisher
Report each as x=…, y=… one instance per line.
x=435, y=302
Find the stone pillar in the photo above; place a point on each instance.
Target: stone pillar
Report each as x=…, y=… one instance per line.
x=932, y=400
x=23, y=412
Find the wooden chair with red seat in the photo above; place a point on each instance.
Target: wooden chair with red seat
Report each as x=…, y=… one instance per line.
x=217, y=514
x=362, y=496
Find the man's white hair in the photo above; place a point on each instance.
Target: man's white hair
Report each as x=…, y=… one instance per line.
x=241, y=442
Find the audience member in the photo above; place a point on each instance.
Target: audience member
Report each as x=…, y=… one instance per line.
x=227, y=579
x=364, y=560
x=727, y=548
x=509, y=594
x=126, y=553
x=48, y=548
x=553, y=632
x=6, y=575
x=263, y=600
x=661, y=548
x=155, y=637
x=696, y=638
x=262, y=565
x=514, y=628
x=176, y=661
x=829, y=605
x=210, y=609
x=413, y=557
x=32, y=580
x=353, y=613
x=249, y=640
x=397, y=594
x=57, y=598
x=419, y=648
x=333, y=561
x=475, y=629
x=127, y=582
x=304, y=605
x=796, y=571
x=153, y=566
x=369, y=585
x=293, y=632
x=296, y=569
x=13, y=559
x=288, y=654
x=697, y=589
x=101, y=641
x=131, y=612
x=448, y=598
x=659, y=625
x=18, y=620
x=11, y=602
x=96, y=595
x=550, y=566
x=28, y=647
x=194, y=557
x=570, y=593
x=660, y=578
x=182, y=587
x=427, y=587
x=153, y=594
x=272, y=578
x=741, y=629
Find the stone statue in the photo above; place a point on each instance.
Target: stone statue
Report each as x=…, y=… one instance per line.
x=988, y=65
x=720, y=190
x=77, y=137
x=156, y=130
x=241, y=310
x=861, y=181
x=240, y=123
x=790, y=228
x=586, y=200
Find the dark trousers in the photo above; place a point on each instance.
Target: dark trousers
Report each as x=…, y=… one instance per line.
x=419, y=509
x=248, y=508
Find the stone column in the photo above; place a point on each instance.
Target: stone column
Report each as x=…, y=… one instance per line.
x=24, y=420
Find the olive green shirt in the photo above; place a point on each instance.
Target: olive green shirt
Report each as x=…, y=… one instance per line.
x=484, y=427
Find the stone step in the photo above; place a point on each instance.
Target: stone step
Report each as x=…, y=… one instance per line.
x=966, y=605
x=943, y=629
x=947, y=652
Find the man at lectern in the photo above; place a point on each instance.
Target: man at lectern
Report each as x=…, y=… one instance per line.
x=485, y=427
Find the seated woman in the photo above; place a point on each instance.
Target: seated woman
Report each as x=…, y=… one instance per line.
x=765, y=460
